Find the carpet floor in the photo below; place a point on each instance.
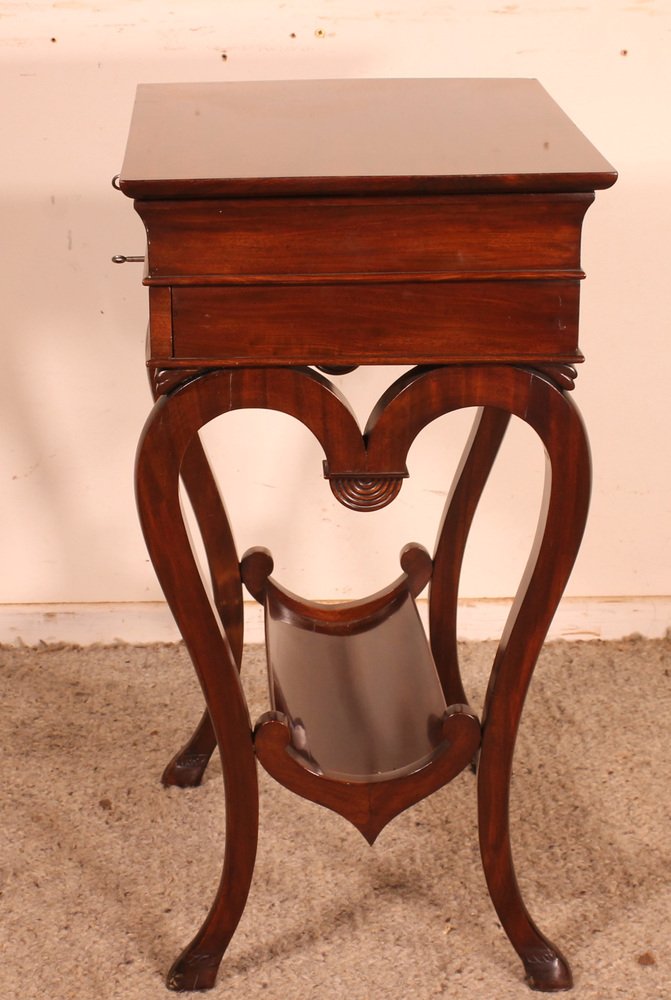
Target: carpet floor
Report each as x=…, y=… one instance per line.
x=105, y=875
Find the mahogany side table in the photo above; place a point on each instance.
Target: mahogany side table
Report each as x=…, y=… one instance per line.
x=296, y=230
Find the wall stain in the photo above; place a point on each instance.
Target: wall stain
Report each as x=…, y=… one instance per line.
x=27, y=473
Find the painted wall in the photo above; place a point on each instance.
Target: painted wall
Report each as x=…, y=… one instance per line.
x=74, y=393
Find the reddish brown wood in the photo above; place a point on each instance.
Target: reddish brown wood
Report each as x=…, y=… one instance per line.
x=370, y=805
x=331, y=237
x=416, y=399
x=534, y=398
x=187, y=767
x=167, y=436
x=403, y=323
x=339, y=672
x=560, y=530
x=335, y=224
x=343, y=731
x=160, y=322
x=355, y=137
x=471, y=476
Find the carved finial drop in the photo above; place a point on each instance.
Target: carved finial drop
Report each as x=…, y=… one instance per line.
x=361, y=493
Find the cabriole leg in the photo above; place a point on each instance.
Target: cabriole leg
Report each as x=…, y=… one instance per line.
x=416, y=399
x=557, y=541
x=168, y=434
x=187, y=767
x=481, y=449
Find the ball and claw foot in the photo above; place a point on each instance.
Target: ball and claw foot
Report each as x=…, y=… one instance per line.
x=547, y=971
x=193, y=972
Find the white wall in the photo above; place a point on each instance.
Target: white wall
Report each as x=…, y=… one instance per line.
x=74, y=393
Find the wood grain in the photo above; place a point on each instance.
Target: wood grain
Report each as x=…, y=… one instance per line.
x=337, y=223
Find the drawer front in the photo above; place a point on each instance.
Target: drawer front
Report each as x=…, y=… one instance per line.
x=377, y=323
x=489, y=233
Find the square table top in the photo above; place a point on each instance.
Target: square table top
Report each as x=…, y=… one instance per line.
x=355, y=137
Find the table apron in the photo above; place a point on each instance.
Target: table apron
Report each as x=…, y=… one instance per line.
x=406, y=323
x=367, y=235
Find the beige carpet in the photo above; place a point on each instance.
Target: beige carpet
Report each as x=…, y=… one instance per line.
x=104, y=875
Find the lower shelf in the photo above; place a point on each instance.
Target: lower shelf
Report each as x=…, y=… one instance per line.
x=359, y=722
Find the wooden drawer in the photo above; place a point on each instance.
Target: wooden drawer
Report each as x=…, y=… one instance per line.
x=373, y=323
x=192, y=240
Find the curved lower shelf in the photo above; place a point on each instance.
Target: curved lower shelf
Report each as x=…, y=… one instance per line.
x=368, y=804
x=359, y=722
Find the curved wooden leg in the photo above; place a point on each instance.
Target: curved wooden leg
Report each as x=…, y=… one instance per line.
x=559, y=534
x=415, y=399
x=187, y=767
x=481, y=449
x=218, y=542
x=168, y=434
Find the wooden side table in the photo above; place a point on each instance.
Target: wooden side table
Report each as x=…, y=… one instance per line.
x=296, y=230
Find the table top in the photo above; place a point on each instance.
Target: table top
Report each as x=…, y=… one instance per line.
x=355, y=137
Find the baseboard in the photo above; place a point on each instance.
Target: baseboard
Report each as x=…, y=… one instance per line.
x=85, y=624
